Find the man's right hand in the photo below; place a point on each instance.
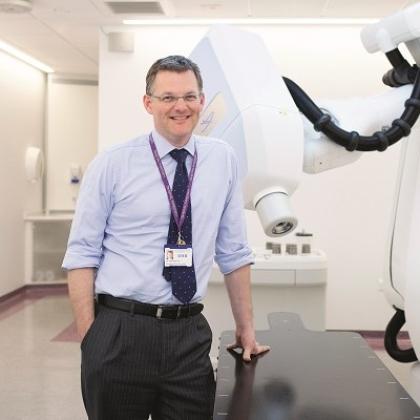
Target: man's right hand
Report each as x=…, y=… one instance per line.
x=83, y=329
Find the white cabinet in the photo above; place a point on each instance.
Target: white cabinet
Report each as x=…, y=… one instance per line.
x=46, y=236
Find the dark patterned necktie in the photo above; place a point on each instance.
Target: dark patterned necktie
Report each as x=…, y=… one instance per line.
x=182, y=278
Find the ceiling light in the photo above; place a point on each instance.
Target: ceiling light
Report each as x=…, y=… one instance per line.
x=252, y=21
x=25, y=57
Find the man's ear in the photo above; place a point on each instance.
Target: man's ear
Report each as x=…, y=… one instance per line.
x=147, y=102
x=202, y=100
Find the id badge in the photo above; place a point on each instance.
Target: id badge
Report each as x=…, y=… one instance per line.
x=178, y=255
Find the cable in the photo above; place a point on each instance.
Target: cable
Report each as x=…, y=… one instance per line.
x=380, y=140
x=390, y=339
x=402, y=73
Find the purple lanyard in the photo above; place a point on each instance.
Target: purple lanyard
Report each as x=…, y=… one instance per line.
x=178, y=220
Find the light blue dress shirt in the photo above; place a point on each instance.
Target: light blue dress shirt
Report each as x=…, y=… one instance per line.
x=122, y=216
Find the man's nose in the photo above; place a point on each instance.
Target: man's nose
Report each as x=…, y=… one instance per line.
x=180, y=103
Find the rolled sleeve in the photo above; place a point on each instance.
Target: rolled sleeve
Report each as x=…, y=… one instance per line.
x=232, y=250
x=84, y=248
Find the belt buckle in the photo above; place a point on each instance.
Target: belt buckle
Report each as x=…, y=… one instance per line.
x=159, y=312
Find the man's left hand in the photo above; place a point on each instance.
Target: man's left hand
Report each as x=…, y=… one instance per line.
x=246, y=341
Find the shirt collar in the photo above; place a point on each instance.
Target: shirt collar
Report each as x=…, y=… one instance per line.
x=164, y=147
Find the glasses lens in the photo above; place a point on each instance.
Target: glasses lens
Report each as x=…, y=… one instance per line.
x=191, y=98
x=168, y=99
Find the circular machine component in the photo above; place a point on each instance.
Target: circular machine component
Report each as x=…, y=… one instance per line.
x=275, y=213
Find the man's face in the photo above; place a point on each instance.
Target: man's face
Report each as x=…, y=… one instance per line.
x=177, y=120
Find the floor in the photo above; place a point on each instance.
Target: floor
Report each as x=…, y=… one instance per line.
x=40, y=359
x=39, y=375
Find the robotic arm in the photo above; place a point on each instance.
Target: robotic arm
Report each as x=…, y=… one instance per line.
x=259, y=113
x=250, y=107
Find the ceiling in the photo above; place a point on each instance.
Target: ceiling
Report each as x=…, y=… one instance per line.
x=64, y=33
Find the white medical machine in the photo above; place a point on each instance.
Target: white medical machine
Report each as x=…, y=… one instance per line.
x=278, y=132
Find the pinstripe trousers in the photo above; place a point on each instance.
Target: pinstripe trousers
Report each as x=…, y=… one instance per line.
x=137, y=365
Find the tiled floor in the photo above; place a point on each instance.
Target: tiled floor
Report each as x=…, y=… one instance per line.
x=40, y=361
x=39, y=377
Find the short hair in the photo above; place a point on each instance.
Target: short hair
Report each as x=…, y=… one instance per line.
x=176, y=63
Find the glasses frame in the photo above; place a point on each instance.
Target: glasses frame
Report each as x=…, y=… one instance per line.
x=175, y=99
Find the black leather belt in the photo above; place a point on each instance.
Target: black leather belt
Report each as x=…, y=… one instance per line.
x=157, y=311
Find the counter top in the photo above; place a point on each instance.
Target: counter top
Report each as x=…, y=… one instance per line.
x=49, y=216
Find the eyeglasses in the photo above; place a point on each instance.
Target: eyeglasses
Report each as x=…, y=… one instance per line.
x=171, y=99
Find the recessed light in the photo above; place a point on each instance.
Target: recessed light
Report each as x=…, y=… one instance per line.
x=251, y=21
x=25, y=57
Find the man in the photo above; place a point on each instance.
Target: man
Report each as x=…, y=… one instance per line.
x=147, y=350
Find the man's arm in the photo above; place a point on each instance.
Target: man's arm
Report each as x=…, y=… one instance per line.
x=84, y=249
x=80, y=283
x=238, y=285
x=234, y=257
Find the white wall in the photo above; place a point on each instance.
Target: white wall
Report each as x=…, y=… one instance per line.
x=71, y=136
x=22, y=90
x=347, y=209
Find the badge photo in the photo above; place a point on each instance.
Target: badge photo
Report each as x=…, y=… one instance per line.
x=178, y=256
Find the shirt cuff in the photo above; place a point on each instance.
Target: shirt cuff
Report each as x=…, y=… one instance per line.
x=74, y=261
x=231, y=262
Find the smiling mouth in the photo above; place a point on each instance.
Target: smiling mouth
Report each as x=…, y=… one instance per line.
x=183, y=118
